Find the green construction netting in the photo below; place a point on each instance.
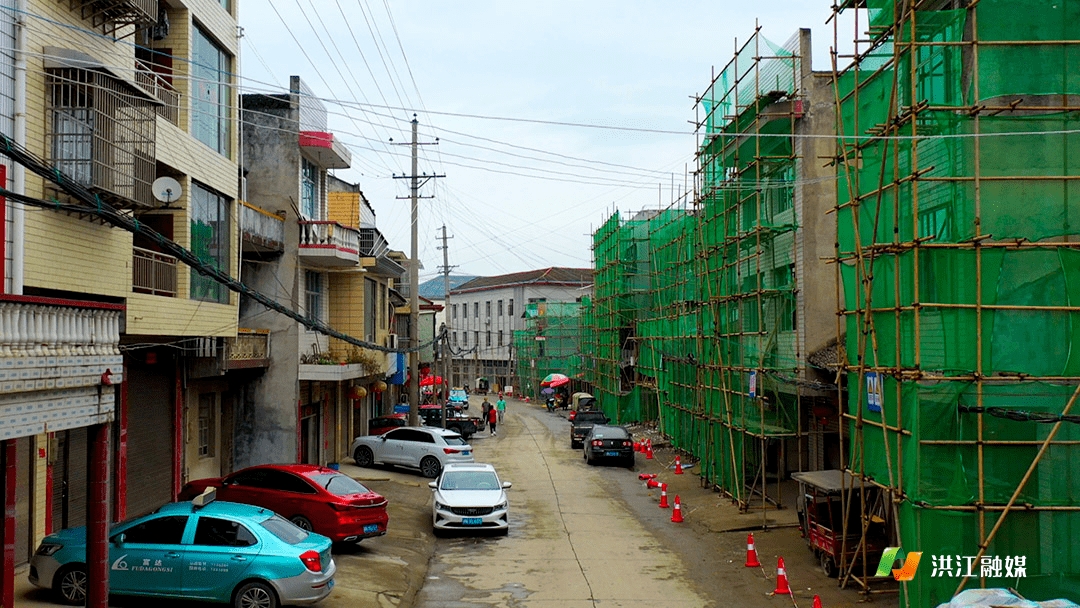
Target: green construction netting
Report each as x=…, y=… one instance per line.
x=551, y=343
x=930, y=289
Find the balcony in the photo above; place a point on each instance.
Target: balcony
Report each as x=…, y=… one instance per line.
x=262, y=232
x=156, y=84
x=153, y=273
x=55, y=355
x=329, y=244
x=250, y=348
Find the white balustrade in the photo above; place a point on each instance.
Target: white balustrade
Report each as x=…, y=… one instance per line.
x=34, y=330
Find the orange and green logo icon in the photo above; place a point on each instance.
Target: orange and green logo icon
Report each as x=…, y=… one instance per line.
x=888, y=559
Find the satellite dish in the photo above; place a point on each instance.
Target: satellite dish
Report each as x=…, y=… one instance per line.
x=167, y=189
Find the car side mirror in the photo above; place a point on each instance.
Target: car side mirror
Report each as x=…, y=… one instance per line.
x=507, y=485
x=433, y=484
x=119, y=539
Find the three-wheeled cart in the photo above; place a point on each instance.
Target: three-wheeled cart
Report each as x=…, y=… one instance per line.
x=821, y=521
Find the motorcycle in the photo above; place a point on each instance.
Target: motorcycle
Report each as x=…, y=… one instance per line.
x=551, y=404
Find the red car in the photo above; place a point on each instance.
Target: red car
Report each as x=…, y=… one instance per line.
x=378, y=426
x=312, y=497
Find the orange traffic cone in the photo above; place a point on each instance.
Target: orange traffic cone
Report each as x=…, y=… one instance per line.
x=644, y=476
x=751, y=553
x=817, y=602
x=678, y=466
x=781, y=579
x=663, y=496
x=637, y=447
x=676, y=515
x=648, y=450
x=652, y=483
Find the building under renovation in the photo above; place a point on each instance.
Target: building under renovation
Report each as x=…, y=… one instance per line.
x=872, y=275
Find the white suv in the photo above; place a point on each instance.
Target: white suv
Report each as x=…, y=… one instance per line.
x=470, y=497
x=428, y=449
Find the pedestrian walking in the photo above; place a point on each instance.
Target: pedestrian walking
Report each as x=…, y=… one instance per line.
x=500, y=405
x=485, y=407
x=493, y=419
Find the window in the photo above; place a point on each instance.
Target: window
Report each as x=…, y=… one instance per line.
x=370, y=310
x=487, y=309
x=500, y=308
x=309, y=189
x=476, y=337
x=209, y=242
x=500, y=337
x=158, y=531
x=488, y=340
x=455, y=338
x=287, y=482
x=464, y=338
x=476, y=310
x=207, y=426
x=210, y=69
x=510, y=307
x=222, y=533
x=453, y=309
x=313, y=294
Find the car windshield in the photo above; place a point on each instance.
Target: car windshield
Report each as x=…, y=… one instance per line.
x=284, y=529
x=458, y=395
x=614, y=433
x=338, y=484
x=470, y=480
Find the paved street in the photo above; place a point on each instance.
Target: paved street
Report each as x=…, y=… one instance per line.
x=580, y=536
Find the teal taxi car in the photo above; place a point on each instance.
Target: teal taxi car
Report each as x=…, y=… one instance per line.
x=217, y=552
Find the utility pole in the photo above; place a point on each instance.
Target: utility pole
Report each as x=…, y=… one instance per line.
x=444, y=343
x=446, y=267
x=414, y=280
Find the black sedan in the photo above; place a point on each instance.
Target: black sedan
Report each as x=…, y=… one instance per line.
x=605, y=441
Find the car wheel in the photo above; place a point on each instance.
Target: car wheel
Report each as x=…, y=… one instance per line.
x=828, y=565
x=363, y=456
x=255, y=594
x=71, y=585
x=430, y=467
x=302, y=522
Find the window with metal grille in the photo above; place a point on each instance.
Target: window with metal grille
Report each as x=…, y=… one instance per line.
x=101, y=135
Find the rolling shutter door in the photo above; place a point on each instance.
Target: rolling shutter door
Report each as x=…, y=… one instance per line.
x=69, y=479
x=151, y=435
x=24, y=463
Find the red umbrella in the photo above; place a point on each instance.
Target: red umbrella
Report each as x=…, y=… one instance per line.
x=554, y=380
x=430, y=380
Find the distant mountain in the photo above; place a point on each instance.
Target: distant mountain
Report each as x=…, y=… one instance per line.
x=433, y=289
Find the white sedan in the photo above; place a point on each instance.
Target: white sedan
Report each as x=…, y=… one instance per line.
x=428, y=449
x=470, y=497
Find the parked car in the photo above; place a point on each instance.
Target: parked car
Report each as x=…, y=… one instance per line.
x=221, y=552
x=581, y=425
x=470, y=497
x=428, y=449
x=458, y=396
x=606, y=441
x=378, y=426
x=315, y=498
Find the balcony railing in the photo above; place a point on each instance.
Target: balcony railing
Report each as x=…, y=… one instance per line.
x=262, y=230
x=329, y=243
x=250, y=348
x=159, y=87
x=153, y=273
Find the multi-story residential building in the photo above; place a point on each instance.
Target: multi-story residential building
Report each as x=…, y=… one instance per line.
x=332, y=263
x=485, y=312
x=114, y=96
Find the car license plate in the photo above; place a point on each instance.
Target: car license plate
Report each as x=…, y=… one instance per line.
x=330, y=585
x=466, y=453
x=471, y=521
x=368, y=529
x=611, y=453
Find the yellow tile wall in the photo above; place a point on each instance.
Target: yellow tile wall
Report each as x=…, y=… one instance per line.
x=344, y=208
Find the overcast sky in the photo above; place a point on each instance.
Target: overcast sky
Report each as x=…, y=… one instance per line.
x=549, y=115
